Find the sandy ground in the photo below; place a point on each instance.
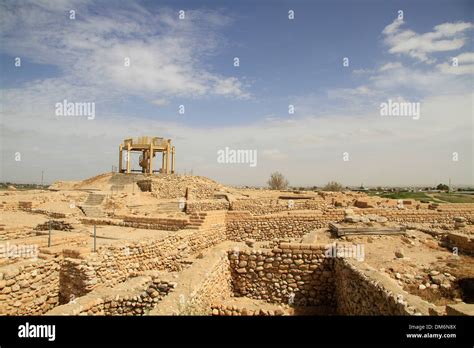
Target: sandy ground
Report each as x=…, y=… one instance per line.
x=21, y=219
x=108, y=235
x=422, y=254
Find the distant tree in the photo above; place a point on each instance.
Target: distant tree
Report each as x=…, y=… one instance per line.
x=277, y=181
x=442, y=187
x=333, y=186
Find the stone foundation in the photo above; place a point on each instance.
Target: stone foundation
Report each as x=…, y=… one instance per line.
x=7, y=233
x=206, y=282
x=29, y=287
x=287, y=273
x=270, y=206
x=241, y=226
x=297, y=274
x=164, y=224
x=361, y=290
x=114, y=264
x=301, y=275
x=464, y=242
x=136, y=296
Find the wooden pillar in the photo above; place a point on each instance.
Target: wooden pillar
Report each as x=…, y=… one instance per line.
x=168, y=159
x=173, y=152
x=151, y=159
x=120, y=158
x=163, y=162
x=128, y=158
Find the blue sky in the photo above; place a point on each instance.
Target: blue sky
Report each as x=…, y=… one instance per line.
x=282, y=62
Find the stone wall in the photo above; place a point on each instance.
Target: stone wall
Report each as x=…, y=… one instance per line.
x=262, y=228
x=295, y=273
x=29, y=287
x=270, y=206
x=77, y=275
x=362, y=290
x=462, y=241
x=206, y=205
x=13, y=232
x=9, y=206
x=206, y=282
x=32, y=248
x=164, y=224
x=136, y=296
x=441, y=215
x=294, y=224
x=16, y=205
x=215, y=286
x=177, y=186
x=242, y=310
x=300, y=275
x=113, y=264
x=51, y=214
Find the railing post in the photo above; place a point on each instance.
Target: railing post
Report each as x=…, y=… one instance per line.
x=49, y=235
x=95, y=237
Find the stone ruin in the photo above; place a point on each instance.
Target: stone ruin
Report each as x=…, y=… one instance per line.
x=132, y=244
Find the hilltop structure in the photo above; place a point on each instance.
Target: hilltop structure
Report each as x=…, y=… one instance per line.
x=148, y=146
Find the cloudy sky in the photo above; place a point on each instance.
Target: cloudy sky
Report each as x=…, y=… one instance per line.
x=336, y=132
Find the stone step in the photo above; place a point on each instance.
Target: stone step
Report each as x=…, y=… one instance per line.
x=94, y=199
x=92, y=211
x=169, y=207
x=124, y=179
x=190, y=227
x=117, y=187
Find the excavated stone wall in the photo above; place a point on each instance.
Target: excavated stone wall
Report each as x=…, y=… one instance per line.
x=177, y=186
x=302, y=275
x=136, y=296
x=165, y=224
x=361, y=290
x=29, y=287
x=295, y=273
x=261, y=228
x=114, y=264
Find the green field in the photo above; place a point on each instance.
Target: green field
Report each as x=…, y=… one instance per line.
x=419, y=196
x=426, y=197
x=454, y=198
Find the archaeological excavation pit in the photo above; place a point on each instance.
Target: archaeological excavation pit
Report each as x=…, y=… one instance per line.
x=173, y=244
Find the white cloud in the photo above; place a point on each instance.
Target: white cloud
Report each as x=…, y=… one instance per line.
x=444, y=37
x=464, y=66
x=160, y=102
x=393, y=27
x=308, y=150
x=362, y=71
x=392, y=65
x=467, y=57
x=165, y=53
x=230, y=86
